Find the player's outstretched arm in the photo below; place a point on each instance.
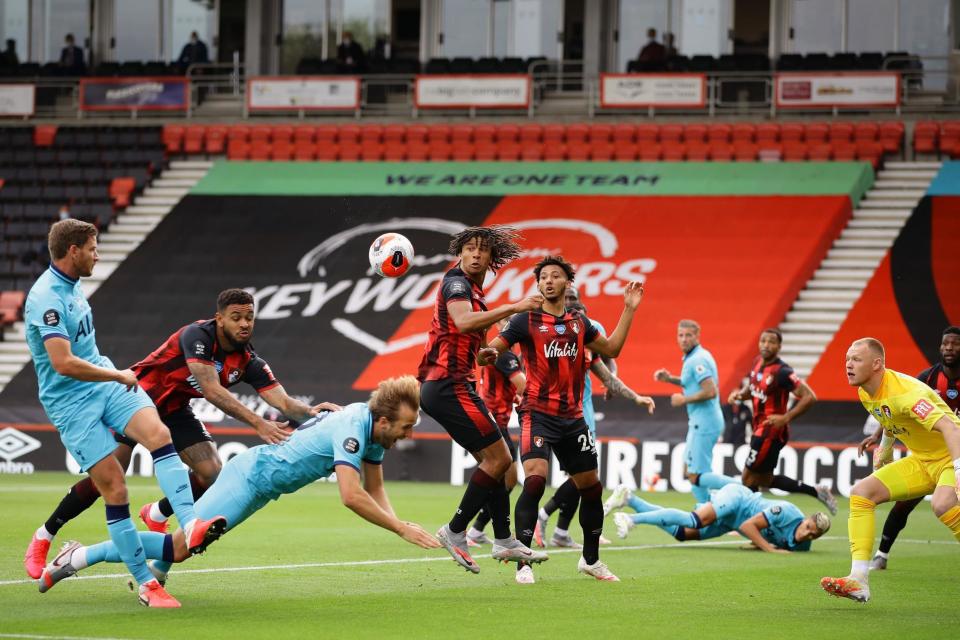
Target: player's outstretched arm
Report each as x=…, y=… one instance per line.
x=708, y=391
x=373, y=484
x=611, y=346
x=663, y=375
x=215, y=393
x=751, y=529
x=467, y=320
x=616, y=386
x=360, y=502
x=66, y=364
x=289, y=406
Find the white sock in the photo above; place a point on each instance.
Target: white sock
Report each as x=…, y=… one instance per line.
x=883, y=555
x=543, y=515
x=560, y=533
x=79, y=558
x=474, y=532
x=860, y=570
x=156, y=514
x=43, y=534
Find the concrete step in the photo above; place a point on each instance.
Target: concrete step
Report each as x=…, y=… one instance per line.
x=128, y=227
x=89, y=286
x=15, y=332
x=14, y=346
x=10, y=369
x=102, y=271
x=5, y=379
x=157, y=200
x=901, y=184
x=106, y=244
x=892, y=194
x=848, y=263
x=907, y=174
x=141, y=219
x=869, y=234
x=816, y=316
x=880, y=203
x=175, y=182
x=863, y=243
x=842, y=274
x=148, y=210
x=843, y=285
x=803, y=372
x=184, y=174
x=848, y=295
x=867, y=223
x=823, y=305
x=116, y=236
x=810, y=327
x=862, y=254
x=168, y=192
x=913, y=166
x=807, y=360
x=191, y=164
x=790, y=349
x=882, y=214
x=811, y=340
x=14, y=358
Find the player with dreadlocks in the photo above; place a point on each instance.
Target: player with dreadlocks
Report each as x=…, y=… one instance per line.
x=448, y=393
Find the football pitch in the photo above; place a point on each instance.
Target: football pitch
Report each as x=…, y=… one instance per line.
x=306, y=567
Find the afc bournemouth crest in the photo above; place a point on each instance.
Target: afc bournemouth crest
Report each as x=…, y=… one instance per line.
x=538, y=441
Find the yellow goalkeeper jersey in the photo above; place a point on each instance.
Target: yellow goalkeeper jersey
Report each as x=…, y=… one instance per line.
x=907, y=409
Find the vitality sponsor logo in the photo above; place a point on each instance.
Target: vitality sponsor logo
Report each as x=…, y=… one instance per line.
x=14, y=444
x=557, y=350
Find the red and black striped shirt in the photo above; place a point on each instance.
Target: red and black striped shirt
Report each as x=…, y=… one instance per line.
x=497, y=389
x=947, y=389
x=770, y=387
x=449, y=353
x=165, y=377
x=554, y=353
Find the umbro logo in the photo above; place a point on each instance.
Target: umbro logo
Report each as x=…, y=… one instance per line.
x=14, y=443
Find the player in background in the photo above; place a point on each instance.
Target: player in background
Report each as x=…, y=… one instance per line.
x=771, y=525
x=566, y=499
x=944, y=379
x=501, y=386
x=351, y=442
x=201, y=360
x=87, y=400
x=700, y=383
x=912, y=412
x=553, y=342
x=448, y=387
x=770, y=384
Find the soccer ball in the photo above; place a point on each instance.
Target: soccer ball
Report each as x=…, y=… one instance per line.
x=391, y=255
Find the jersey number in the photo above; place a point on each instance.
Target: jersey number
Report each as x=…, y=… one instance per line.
x=586, y=442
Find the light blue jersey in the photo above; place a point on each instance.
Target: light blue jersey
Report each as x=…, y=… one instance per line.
x=311, y=452
x=698, y=365
x=589, y=416
x=735, y=504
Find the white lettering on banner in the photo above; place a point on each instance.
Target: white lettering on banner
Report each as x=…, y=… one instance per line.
x=678, y=479
x=231, y=450
x=17, y=99
x=621, y=461
x=461, y=461
x=473, y=91
x=845, y=462
x=294, y=94
x=787, y=466
x=812, y=460
x=658, y=90
x=651, y=464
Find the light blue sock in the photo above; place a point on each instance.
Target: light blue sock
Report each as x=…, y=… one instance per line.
x=640, y=505
x=162, y=565
x=666, y=517
x=714, y=480
x=153, y=548
x=700, y=494
x=175, y=483
x=124, y=537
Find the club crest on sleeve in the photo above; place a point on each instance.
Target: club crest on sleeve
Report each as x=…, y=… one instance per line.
x=700, y=369
x=199, y=349
x=457, y=287
x=351, y=445
x=886, y=412
x=776, y=510
x=51, y=317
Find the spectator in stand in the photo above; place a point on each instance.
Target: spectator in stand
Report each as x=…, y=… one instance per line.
x=71, y=58
x=669, y=46
x=8, y=57
x=64, y=212
x=653, y=53
x=194, y=52
x=350, y=55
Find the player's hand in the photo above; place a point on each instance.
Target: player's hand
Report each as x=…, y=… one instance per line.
x=778, y=550
x=415, y=534
x=518, y=399
x=487, y=356
x=272, y=432
x=662, y=375
x=776, y=420
x=677, y=400
x=528, y=304
x=128, y=379
x=633, y=295
x=324, y=406
x=882, y=458
x=734, y=396
x=645, y=401
x=867, y=444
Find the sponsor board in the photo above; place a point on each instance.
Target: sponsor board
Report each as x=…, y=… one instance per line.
x=134, y=94
x=497, y=91
x=626, y=90
x=827, y=90
x=309, y=93
x=17, y=99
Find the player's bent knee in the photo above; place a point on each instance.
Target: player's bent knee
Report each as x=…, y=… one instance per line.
x=943, y=502
x=692, y=478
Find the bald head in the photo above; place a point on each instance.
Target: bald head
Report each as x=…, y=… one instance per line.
x=874, y=346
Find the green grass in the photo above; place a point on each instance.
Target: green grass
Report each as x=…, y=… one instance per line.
x=670, y=591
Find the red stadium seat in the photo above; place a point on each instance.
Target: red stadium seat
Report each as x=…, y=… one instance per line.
x=485, y=134
x=328, y=152
x=625, y=151
x=794, y=151
x=350, y=151
x=440, y=151
x=719, y=133
x=371, y=134
x=120, y=191
x=925, y=137
x=698, y=152
x=304, y=133
x=578, y=152
x=438, y=134
x=624, y=133
x=463, y=152
x=281, y=151
x=866, y=132
x=840, y=132
x=461, y=134
x=554, y=151
x=578, y=134
x=238, y=150
x=790, y=132
x=282, y=133
x=769, y=151
x=721, y=152
x=554, y=134
x=745, y=152
x=650, y=152
x=348, y=134
x=601, y=152
x=417, y=134
x=744, y=133
x=371, y=152
x=531, y=134
x=844, y=152
x=11, y=306
x=193, y=139
x=327, y=134
x=260, y=150
x=172, y=137
x=600, y=134
x=949, y=136
x=304, y=151
x=891, y=136
x=239, y=132
x=44, y=134
x=872, y=152
x=673, y=152
x=821, y=152
x=695, y=134
x=509, y=152
x=215, y=143
x=507, y=133
x=394, y=134
x=418, y=152
x=394, y=151
x=767, y=133
x=485, y=151
x=816, y=132
x=647, y=134
x=531, y=152
x=259, y=134
x=671, y=134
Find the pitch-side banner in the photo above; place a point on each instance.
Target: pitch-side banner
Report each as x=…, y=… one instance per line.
x=303, y=93
x=17, y=99
x=875, y=89
x=134, y=94
x=473, y=91
x=625, y=90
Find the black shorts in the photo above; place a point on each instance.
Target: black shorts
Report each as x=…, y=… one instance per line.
x=569, y=438
x=185, y=430
x=764, y=453
x=461, y=412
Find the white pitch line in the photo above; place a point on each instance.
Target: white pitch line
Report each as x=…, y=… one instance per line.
x=367, y=563
x=30, y=636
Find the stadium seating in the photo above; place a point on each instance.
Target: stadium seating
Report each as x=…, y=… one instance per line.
x=625, y=142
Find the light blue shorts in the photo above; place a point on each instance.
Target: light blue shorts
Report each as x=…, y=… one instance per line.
x=86, y=432
x=231, y=496
x=700, y=443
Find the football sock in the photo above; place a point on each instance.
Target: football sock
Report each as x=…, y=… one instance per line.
x=477, y=493
x=861, y=526
x=568, y=499
x=525, y=513
x=952, y=519
x=639, y=505
x=174, y=481
x=499, y=506
x=700, y=494
x=483, y=519
x=591, y=519
x=81, y=497
x=43, y=534
x=166, y=510
x=667, y=517
x=895, y=522
x=125, y=538
x=792, y=486
x=156, y=546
